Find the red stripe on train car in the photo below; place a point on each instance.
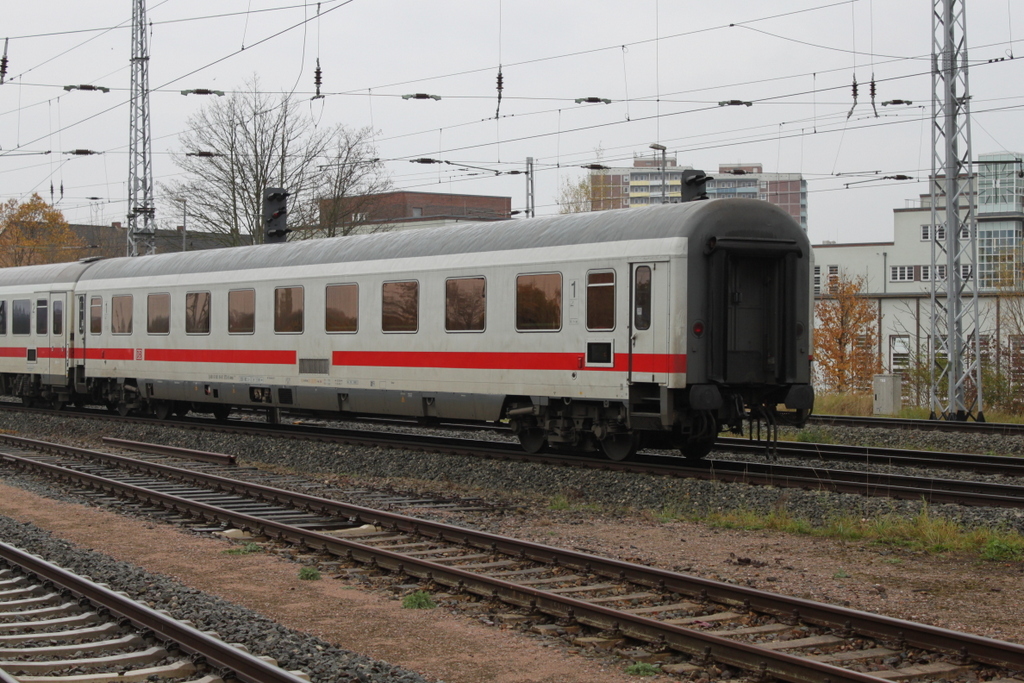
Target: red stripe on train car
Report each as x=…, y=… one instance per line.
x=503, y=361
x=264, y=357
x=50, y=352
x=13, y=352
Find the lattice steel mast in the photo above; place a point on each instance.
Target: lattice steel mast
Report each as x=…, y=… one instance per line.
x=955, y=349
x=141, y=209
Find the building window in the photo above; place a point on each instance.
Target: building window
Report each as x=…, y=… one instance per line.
x=833, y=279
x=121, y=314
x=901, y=273
x=817, y=280
x=465, y=304
x=899, y=352
x=242, y=311
x=417, y=211
x=539, y=302
x=342, y=308
x=158, y=314
x=400, y=306
x=96, y=315
x=288, y=309
x=601, y=300
x=21, y=316
x=197, y=313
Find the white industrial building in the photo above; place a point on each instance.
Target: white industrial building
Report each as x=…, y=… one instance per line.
x=898, y=275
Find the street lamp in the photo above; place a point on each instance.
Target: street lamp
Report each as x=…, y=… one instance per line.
x=661, y=148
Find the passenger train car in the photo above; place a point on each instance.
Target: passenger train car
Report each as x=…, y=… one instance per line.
x=600, y=330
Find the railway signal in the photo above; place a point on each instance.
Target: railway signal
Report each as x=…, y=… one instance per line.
x=275, y=215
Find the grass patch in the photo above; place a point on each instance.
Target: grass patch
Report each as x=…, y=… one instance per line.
x=559, y=502
x=309, y=574
x=246, y=549
x=844, y=404
x=642, y=669
x=813, y=435
x=841, y=574
x=922, y=532
x=418, y=600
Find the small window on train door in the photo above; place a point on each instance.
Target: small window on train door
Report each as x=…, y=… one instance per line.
x=288, y=309
x=122, y=314
x=197, y=313
x=342, y=308
x=465, y=304
x=242, y=311
x=158, y=314
x=58, y=317
x=400, y=306
x=96, y=315
x=642, y=298
x=42, y=313
x=3, y=318
x=601, y=300
x=539, y=302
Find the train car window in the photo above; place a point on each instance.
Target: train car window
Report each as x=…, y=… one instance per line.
x=21, y=316
x=400, y=306
x=197, y=313
x=288, y=309
x=539, y=302
x=58, y=317
x=121, y=314
x=42, y=311
x=465, y=304
x=96, y=315
x=158, y=314
x=242, y=311
x=342, y=308
x=3, y=317
x=642, y=298
x=601, y=300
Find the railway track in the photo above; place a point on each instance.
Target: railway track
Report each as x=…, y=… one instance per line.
x=57, y=626
x=907, y=487
x=970, y=427
x=691, y=622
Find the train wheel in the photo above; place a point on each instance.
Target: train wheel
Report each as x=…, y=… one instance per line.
x=57, y=403
x=533, y=440
x=696, y=449
x=620, y=446
x=163, y=410
x=221, y=412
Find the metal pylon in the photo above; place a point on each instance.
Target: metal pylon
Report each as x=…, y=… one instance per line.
x=141, y=224
x=955, y=349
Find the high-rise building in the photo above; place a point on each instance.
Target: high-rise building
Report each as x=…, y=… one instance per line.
x=646, y=182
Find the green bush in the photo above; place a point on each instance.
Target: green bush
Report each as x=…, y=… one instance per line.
x=642, y=669
x=309, y=574
x=418, y=600
x=1003, y=550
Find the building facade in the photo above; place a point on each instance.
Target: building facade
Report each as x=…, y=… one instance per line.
x=647, y=183
x=897, y=274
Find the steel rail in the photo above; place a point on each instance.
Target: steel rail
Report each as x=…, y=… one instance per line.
x=161, y=449
x=742, y=655
x=217, y=653
x=890, y=629
x=920, y=425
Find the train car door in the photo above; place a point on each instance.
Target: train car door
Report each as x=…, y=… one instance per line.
x=53, y=319
x=648, y=321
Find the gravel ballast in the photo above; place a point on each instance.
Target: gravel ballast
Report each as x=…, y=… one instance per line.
x=439, y=473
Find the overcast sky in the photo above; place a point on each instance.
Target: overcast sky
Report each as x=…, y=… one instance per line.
x=664, y=65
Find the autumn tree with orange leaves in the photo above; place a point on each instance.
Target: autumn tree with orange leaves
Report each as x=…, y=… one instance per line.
x=846, y=337
x=34, y=232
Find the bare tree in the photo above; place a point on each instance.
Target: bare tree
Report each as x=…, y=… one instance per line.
x=237, y=146
x=575, y=196
x=346, y=186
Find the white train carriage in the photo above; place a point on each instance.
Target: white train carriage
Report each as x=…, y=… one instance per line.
x=584, y=330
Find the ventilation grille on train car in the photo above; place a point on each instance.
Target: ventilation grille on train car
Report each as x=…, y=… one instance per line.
x=314, y=366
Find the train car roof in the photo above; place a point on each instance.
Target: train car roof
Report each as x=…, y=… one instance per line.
x=48, y=274
x=696, y=219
